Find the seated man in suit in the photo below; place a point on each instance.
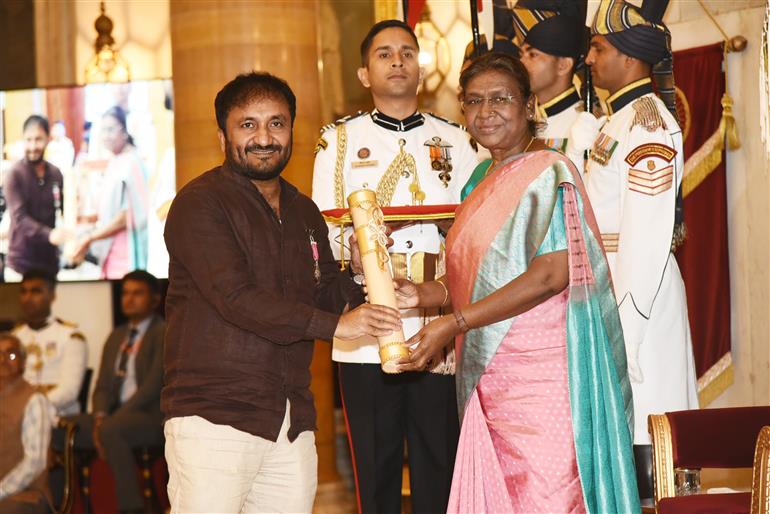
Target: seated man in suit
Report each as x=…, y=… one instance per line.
x=126, y=398
x=25, y=432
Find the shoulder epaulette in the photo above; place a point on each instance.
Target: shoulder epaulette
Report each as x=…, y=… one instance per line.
x=78, y=335
x=66, y=323
x=340, y=121
x=647, y=115
x=445, y=120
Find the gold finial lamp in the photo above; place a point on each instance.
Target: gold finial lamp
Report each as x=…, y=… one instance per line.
x=434, y=57
x=106, y=65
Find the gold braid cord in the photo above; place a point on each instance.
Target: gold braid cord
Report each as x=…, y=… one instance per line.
x=647, y=115
x=339, y=179
x=377, y=240
x=403, y=164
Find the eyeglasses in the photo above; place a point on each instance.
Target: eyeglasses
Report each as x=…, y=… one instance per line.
x=494, y=102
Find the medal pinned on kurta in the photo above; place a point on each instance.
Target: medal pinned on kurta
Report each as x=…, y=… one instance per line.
x=440, y=160
x=314, y=250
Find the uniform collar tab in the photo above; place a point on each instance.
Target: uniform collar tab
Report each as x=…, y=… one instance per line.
x=628, y=94
x=387, y=122
x=559, y=103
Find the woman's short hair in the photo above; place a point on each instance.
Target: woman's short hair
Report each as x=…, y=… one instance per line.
x=507, y=65
x=119, y=114
x=8, y=336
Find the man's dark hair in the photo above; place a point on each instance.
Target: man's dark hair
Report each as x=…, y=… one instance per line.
x=40, y=274
x=247, y=86
x=507, y=65
x=40, y=121
x=378, y=27
x=140, y=275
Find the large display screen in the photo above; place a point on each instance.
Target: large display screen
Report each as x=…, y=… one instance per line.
x=104, y=215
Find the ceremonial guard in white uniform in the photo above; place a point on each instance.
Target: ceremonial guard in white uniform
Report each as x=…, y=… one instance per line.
x=57, y=352
x=553, y=43
x=412, y=160
x=633, y=176
x=57, y=355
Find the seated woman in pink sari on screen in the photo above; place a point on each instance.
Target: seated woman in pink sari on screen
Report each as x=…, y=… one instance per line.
x=542, y=389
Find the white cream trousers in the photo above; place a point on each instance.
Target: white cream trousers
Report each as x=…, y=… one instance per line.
x=216, y=469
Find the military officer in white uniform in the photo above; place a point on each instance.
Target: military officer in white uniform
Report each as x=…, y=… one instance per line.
x=57, y=352
x=552, y=43
x=408, y=158
x=632, y=178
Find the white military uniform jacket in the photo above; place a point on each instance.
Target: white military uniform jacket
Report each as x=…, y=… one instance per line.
x=359, y=150
x=632, y=178
x=560, y=114
x=57, y=355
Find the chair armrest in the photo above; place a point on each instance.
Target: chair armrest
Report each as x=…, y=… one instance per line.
x=662, y=456
x=760, y=482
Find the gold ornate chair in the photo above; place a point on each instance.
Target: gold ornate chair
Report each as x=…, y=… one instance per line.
x=711, y=438
x=63, y=458
x=760, y=481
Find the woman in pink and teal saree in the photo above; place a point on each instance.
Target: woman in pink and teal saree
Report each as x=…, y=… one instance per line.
x=542, y=389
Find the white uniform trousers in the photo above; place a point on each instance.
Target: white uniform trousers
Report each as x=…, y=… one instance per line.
x=665, y=356
x=217, y=469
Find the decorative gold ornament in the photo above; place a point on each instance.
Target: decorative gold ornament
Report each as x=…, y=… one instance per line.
x=106, y=65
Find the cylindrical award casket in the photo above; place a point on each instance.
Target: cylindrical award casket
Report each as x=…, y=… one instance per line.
x=372, y=242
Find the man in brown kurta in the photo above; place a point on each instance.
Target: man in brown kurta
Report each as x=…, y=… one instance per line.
x=252, y=282
x=33, y=192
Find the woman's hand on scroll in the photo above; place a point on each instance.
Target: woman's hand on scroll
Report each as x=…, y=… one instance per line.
x=367, y=319
x=429, y=341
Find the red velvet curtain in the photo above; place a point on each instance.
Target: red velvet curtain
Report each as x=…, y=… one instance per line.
x=704, y=256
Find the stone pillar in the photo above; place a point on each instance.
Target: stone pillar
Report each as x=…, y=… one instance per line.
x=55, y=35
x=213, y=41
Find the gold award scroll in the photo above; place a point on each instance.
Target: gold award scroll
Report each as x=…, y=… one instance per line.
x=369, y=225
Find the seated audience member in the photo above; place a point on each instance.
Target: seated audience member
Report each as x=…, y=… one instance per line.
x=25, y=433
x=57, y=351
x=126, y=399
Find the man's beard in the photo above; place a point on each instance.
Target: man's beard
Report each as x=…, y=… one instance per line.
x=241, y=165
x=33, y=162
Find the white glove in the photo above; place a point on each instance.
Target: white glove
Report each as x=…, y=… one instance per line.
x=583, y=133
x=632, y=362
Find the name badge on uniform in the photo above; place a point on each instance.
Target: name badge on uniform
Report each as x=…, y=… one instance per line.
x=363, y=164
x=440, y=160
